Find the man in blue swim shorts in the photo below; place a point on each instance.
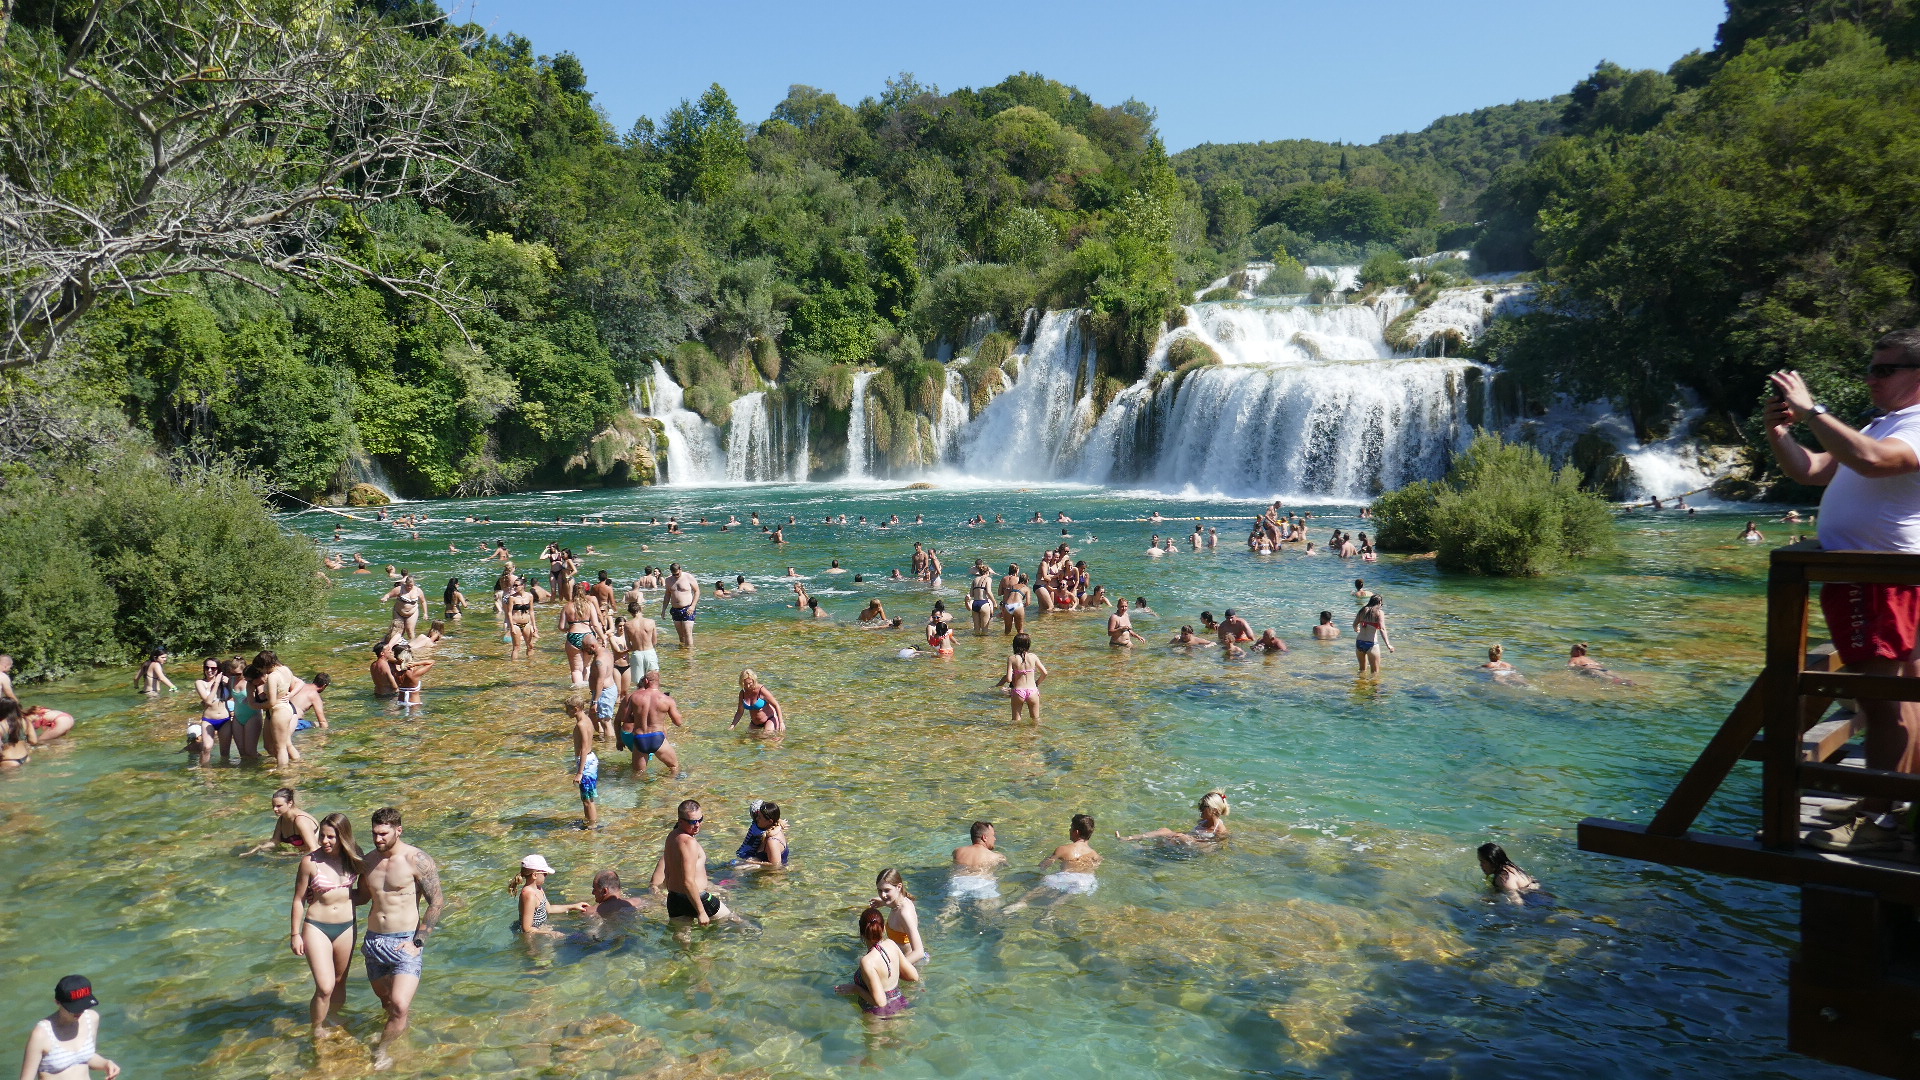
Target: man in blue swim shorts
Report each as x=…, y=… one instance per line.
x=682, y=601
x=398, y=878
x=642, y=719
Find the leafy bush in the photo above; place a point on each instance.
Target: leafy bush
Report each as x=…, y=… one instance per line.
x=98, y=565
x=1288, y=278
x=1502, y=510
x=1384, y=269
x=1224, y=293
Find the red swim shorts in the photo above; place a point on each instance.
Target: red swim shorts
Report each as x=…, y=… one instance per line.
x=1872, y=622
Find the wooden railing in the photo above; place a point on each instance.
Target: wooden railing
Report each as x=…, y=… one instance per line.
x=1779, y=722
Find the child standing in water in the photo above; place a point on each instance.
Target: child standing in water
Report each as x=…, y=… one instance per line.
x=903, y=922
x=586, y=773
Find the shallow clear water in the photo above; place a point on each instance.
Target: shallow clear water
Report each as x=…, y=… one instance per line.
x=1344, y=931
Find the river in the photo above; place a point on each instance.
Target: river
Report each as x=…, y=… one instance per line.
x=1344, y=931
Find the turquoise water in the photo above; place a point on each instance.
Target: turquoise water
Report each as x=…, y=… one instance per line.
x=1344, y=931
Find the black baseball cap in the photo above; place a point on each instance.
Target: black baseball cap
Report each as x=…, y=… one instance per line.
x=75, y=990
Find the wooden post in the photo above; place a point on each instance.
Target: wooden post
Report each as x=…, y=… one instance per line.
x=1786, y=651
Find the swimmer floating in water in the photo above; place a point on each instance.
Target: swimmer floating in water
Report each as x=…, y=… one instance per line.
x=1077, y=861
x=1580, y=662
x=1212, y=827
x=1504, y=875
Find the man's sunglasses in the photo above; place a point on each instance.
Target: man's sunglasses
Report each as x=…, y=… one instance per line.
x=1882, y=371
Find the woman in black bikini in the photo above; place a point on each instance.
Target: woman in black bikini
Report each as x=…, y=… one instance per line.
x=323, y=916
x=292, y=826
x=522, y=630
x=581, y=617
x=877, y=977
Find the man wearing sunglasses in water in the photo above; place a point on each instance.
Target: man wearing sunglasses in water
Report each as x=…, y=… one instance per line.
x=1872, y=503
x=682, y=871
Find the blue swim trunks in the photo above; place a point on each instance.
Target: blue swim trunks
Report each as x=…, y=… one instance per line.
x=684, y=614
x=645, y=742
x=386, y=955
x=604, y=704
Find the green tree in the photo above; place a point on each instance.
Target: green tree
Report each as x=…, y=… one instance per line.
x=705, y=146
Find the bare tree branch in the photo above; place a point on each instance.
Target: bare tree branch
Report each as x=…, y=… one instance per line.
x=167, y=138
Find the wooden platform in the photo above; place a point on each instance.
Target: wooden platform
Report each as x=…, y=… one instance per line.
x=1855, y=982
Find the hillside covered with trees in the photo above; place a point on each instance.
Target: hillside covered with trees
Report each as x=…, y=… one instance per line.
x=1321, y=202
x=1749, y=209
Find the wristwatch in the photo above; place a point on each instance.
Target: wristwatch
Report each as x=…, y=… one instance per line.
x=1818, y=410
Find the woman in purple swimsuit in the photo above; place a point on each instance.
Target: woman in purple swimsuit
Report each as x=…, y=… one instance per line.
x=877, y=978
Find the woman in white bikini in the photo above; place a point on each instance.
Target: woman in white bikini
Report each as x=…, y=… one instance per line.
x=61, y=1047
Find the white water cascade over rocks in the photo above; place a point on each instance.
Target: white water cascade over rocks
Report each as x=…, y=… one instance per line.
x=1033, y=430
x=1306, y=401
x=859, y=443
x=1253, y=397
x=694, y=455
x=762, y=441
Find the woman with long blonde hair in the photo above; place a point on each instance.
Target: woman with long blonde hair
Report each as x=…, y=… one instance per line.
x=758, y=705
x=1212, y=827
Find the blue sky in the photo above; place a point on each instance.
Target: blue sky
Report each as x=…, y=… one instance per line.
x=1350, y=71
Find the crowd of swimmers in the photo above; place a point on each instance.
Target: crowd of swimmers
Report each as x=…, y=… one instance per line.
x=614, y=698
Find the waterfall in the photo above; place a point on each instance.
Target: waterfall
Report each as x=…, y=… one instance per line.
x=953, y=416
x=800, y=418
x=751, y=441
x=758, y=438
x=694, y=455
x=362, y=468
x=1033, y=430
x=1345, y=429
x=1307, y=400
x=859, y=446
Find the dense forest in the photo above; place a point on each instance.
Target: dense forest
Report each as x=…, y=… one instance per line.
x=574, y=255
x=1749, y=209
x=577, y=256
x=1323, y=203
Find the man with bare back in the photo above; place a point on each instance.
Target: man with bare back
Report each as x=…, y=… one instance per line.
x=398, y=877
x=641, y=721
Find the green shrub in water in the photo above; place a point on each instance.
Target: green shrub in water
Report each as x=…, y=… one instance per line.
x=1502, y=510
x=96, y=566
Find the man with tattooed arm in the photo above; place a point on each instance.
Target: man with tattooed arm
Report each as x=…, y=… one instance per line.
x=398, y=877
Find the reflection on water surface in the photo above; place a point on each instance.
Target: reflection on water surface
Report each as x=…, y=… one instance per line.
x=1342, y=932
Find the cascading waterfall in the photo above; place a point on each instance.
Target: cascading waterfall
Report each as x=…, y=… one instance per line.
x=859, y=444
x=694, y=454
x=1307, y=401
x=801, y=418
x=1033, y=430
x=758, y=437
x=1345, y=430
x=953, y=415
x=751, y=441
x=363, y=469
